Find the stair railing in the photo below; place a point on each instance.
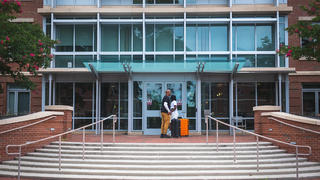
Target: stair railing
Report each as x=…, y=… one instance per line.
x=207, y=118
x=28, y=125
x=114, y=118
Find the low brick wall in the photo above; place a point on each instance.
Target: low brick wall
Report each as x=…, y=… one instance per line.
x=270, y=128
x=62, y=122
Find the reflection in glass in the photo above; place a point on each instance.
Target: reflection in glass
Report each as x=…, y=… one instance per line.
x=309, y=102
x=191, y=37
x=219, y=38
x=164, y=37
x=154, y=98
x=203, y=37
x=265, y=37
x=245, y=38
x=125, y=37
x=64, y=94
x=220, y=99
x=83, y=99
x=137, y=37
x=179, y=37
x=23, y=103
x=249, y=60
x=266, y=93
x=84, y=37
x=64, y=34
x=246, y=99
x=109, y=37
x=266, y=60
x=79, y=60
x=176, y=89
x=149, y=37
x=153, y=122
x=137, y=99
x=63, y=61
x=191, y=99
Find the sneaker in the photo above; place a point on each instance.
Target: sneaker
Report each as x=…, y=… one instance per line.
x=161, y=136
x=166, y=136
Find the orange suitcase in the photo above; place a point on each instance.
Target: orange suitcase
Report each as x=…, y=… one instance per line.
x=184, y=127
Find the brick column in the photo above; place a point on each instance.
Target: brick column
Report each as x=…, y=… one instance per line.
x=257, y=116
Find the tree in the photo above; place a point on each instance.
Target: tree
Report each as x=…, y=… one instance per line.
x=23, y=46
x=309, y=32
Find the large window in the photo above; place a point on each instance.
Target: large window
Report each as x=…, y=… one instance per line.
x=85, y=36
x=266, y=93
x=311, y=99
x=63, y=61
x=18, y=100
x=124, y=37
x=253, y=37
x=246, y=99
x=204, y=37
x=164, y=37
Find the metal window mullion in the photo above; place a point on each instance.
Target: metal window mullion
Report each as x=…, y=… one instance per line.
x=154, y=38
x=317, y=103
x=236, y=98
x=50, y=90
x=287, y=94
x=16, y=101
x=119, y=102
x=209, y=41
x=43, y=93
x=97, y=103
x=119, y=40
x=277, y=92
x=231, y=35
x=144, y=34
x=184, y=35
x=230, y=102
x=173, y=39
x=278, y=38
x=98, y=37
x=131, y=38
x=54, y=92
x=53, y=37
x=92, y=108
x=280, y=91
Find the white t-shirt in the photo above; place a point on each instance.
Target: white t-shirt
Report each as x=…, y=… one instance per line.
x=174, y=114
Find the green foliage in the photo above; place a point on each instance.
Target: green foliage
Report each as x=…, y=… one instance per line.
x=23, y=46
x=307, y=30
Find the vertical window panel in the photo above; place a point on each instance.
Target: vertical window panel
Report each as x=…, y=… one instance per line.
x=219, y=38
x=149, y=37
x=245, y=38
x=137, y=37
x=164, y=37
x=109, y=37
x=265, y=38
x=64, y=94
x=64, y=34
x=125, y=37
x=83, y=99
x=203, y=37
x=191, y=38
x=63, y=61
x=266, y=93
x=265, y=60
x=179, y=37
x=84, y=38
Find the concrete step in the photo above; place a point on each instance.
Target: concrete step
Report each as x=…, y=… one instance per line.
x=161, y=162
x=195, y=177
x=162, y=157
x=167, y=153
x=82, y=165
x=246, y=144
x=157, y=173
x=167, y=149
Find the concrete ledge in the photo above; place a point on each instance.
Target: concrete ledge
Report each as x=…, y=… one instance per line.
x=305, y=73
x=268, y=70
x=64, y=70
x=292, y=117
x=33, y=116
x=266, y=108
x=59, y=108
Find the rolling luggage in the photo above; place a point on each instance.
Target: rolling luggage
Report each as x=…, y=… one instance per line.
x=175, y=128
x=184, y=127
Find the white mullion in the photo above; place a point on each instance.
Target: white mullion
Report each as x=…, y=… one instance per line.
x=231, y=36
x=119, y=40
x=92, y=108
x=277, y=92
x=256, y=92
x=280, y=91
x=209, y=41
x=287, y=94
x=278, y=39
x=73, y=102
x=154, y=40
x=184, y=35
x=43, y=93
x=119, y=115
x=16, y=102
x=74, y=46
x=54, y=92
x=131, y=40
x=53, y=37
x=144, y=34
x=50, y=90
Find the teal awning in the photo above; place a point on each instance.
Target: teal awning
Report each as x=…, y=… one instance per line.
x=168, y=67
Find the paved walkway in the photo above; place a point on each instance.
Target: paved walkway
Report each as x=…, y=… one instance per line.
x=157, y=139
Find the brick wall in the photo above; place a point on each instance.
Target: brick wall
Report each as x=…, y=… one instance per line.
x=266, y=127
x=62, y=123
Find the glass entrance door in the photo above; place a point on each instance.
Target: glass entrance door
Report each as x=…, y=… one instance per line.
x=153, y=93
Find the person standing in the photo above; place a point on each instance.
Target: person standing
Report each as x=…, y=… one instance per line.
x=165, y=114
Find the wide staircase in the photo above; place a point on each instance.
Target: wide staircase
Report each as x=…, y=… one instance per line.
x=160, y=161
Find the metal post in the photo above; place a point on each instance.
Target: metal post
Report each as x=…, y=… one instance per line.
x=297, y=163
x=19, y=164
x=113, y=130
x=234, y=145
x=207, y=128
x=257, y=153
x=101, y=135
x=59, y=153
x=217, y=135
x=83, y=141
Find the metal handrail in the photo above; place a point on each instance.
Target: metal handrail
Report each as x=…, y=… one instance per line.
x=291, y=125
x=28, y=125
x=257, y=140
x=62, y=134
